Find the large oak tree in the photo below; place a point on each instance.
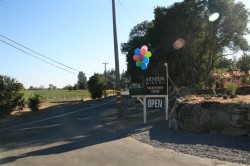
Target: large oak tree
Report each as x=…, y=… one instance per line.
x=206, y=42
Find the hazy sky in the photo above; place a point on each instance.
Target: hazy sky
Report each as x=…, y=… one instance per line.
x=77, y=33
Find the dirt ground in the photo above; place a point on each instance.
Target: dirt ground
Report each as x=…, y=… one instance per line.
x=45, y=105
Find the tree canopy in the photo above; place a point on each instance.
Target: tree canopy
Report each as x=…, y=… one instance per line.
x=10, y=95
x=244, y=63
x=96, y=85
x=203, y=41
x=110, y=75
x=82, y=81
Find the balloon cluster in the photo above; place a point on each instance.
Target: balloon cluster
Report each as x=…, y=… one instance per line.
x=142, y=57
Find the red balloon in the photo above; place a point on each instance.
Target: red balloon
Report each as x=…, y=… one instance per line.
x=143, y=51
x=136, y=57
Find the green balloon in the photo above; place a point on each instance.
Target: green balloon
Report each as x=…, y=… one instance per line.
x=148, y=54
x=138, y=63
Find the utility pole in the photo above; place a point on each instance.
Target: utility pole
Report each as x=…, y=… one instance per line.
x=105, y=72
x=118, y=88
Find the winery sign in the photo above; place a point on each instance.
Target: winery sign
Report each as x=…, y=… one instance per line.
x=155, y=89
x=155, y=84
x=155, y=80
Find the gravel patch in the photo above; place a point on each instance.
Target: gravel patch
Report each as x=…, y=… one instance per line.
x=215, y=146
x=156, y=133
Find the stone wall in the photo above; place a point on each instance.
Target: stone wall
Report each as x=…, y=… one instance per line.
x=240, y=120
x=229, y=119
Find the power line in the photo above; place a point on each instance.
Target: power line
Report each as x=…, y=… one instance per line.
x=126, y=11
x=38, y=53
x=35, y=56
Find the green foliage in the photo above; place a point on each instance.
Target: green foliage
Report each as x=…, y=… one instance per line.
x=207, y=96
x=68, y=87
x=111, y=78
x=34, y=102
x=224, y=63
x=214, y=89
x=246, y=78
x=205, y=41
x=57, y=94
x=232, y=87
x=125, y=80
x=75, y=87
x=82, y=81
x=138, y=37
x=219, y=95
x=10, y=95
x=96, y=85
x=244, y=63
x=225, y=97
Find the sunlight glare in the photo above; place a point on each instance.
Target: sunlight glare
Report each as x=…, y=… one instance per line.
x=213, y=17
x=179, y=43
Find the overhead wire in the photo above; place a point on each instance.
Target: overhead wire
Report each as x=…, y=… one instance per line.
x=122, y=5
x=126, y=11
x=39, y=53
x=36, y=57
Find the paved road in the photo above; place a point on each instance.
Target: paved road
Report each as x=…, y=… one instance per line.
x=74, y=135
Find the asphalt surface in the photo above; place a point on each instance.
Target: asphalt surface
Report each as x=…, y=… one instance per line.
x=74, y=135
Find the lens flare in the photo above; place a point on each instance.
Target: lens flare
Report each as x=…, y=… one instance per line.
x=213, y=17
x=179, y=43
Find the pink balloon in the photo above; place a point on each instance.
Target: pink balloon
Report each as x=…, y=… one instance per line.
x=136, y=57
x=143, y=51
x=144, y=47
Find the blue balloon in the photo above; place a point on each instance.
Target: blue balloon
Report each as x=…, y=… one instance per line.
x=146, y=60
x=144, y=66
x=137, y=51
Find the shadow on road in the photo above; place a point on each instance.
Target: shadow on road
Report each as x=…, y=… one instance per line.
x=64, y=134
x=100, y=125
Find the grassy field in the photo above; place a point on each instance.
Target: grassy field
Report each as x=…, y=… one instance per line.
x=54, y=95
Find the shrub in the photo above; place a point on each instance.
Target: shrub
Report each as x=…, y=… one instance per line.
x=232, y=87
x=10, y=95
x=246, y=78
x=96, y=85
x=214, y=89
x=206, y=97
x=219, y=95
x=34, y=102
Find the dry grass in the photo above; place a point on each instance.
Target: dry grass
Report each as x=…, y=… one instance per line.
x=47, y=104
x=240, y=99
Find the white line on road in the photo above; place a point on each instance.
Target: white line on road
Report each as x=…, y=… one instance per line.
x=58, y=116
